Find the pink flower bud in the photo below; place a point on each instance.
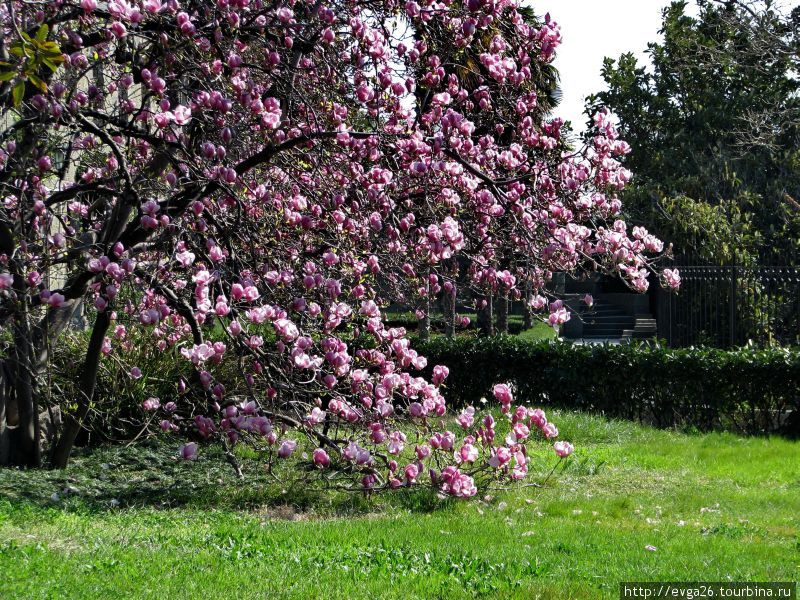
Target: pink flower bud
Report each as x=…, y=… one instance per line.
x=321, y=458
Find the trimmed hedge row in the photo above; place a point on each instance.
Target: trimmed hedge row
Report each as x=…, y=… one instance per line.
x=749, y=389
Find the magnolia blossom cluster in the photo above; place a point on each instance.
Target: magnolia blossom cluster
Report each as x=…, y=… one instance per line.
x=253, y=184
x=386, y=458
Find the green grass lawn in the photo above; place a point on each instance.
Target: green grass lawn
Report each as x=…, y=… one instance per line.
x=633, y=504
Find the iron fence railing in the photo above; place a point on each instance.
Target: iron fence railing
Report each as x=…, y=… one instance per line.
x=732, y=305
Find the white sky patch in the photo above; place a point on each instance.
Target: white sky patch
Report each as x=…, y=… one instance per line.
x=592, y=30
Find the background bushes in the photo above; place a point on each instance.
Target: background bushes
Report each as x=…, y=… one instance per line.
x=748, y=389
x=116, y=412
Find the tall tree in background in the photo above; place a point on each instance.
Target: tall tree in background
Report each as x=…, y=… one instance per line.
x=714, y=127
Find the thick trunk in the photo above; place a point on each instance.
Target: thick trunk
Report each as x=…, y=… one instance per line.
x=26, y=452
x=502, y=314
x=485, y=317
x=73, y=422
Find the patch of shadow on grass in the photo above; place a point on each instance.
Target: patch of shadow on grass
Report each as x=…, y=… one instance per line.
x=149, y=475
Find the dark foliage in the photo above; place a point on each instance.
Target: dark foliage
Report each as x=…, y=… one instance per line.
x=748, y=389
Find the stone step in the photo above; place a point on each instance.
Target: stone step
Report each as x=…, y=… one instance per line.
x=606, y=315
x=608, y=319
x=638, y=335
x=608, y=332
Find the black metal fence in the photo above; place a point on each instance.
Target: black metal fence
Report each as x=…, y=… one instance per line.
x=733, y=305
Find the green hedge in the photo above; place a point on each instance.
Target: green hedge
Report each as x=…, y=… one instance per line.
x=748, y=389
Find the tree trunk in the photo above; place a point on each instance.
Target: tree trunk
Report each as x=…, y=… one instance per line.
x=526, y=307
x=73, y=422
x=425, y=324
x=4, y=431
x=27, y=452
x=485, y=317
x=502, y=313
x=450, y=313
x=425, y=321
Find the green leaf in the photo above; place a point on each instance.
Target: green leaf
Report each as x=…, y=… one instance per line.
x=51, y=48
x=41, y=33
x=17, y=92
x=49, y=62
x=35, y=80
x=7, y=75
x=55, y=56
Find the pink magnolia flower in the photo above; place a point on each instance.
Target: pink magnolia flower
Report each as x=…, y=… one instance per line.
x=34, y=278
x=56, y=300
x=457, y=484
x=503, y=393
x=422, y=451
x=411, y=472
x=520, y=431
x=440, y=373
x=416, y=409
x=550, y=431
x=467, y=453
x=186, y=258
x=199, y=353
x=251, y=293
x=182, y=114
x=316, y=417
x=321, y=458
x=118, y=29
x=447, y=440
x=538, y=418
x=286, y=448
x=563, y=449
x=500, y=457
x=396, y=443
x=466, y=418
x=286, y=329
x=377, y=434
x=558, y=317
x=188, y=451
x=673, y=278
x=520, y=468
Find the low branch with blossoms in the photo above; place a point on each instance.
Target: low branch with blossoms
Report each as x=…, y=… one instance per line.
x=257, y=181
x=384, y=455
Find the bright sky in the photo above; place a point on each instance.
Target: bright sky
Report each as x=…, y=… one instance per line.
x=591, y=30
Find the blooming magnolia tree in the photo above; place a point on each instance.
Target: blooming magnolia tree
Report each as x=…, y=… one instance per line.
x=252, y=181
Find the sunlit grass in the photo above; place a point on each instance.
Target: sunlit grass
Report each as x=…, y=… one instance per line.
x=715, y=507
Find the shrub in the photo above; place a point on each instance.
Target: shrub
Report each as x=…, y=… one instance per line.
x=747, y=389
